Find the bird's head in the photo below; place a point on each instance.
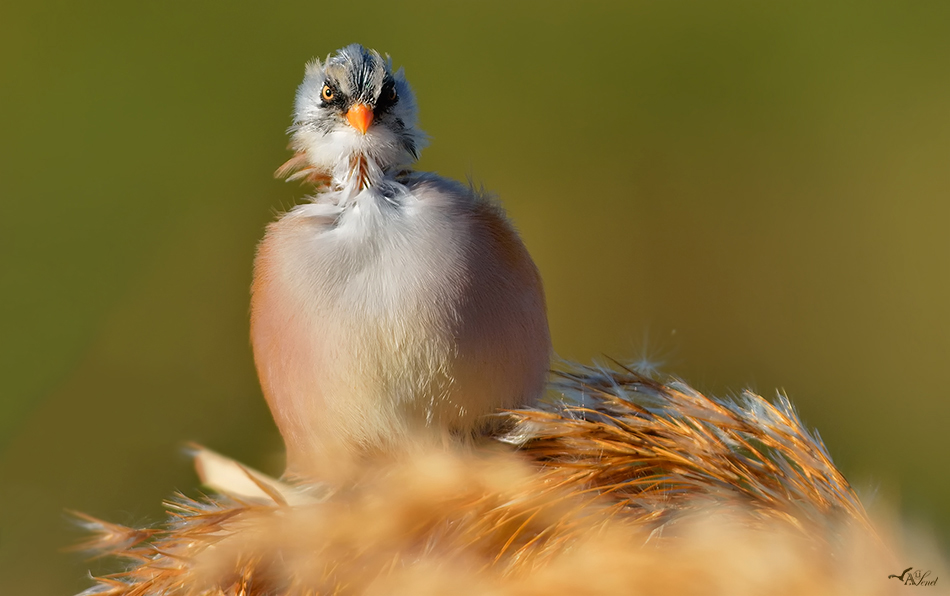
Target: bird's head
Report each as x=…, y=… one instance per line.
x=354, y=120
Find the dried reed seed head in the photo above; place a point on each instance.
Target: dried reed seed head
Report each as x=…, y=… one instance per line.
x=626, y=486
x=659, y=447
x=509, y=533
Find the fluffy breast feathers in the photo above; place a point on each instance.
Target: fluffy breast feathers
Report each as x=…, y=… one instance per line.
x=395, y=316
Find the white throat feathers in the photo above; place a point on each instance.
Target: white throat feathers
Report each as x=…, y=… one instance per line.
x=354, y=123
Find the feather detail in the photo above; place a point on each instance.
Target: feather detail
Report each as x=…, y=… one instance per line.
x=299, y=167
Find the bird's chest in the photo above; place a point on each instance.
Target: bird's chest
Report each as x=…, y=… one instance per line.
x=381, y=287
x=393, y=268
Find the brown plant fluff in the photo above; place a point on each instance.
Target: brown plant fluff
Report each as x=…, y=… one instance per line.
x=660, y=449
x=625, y=486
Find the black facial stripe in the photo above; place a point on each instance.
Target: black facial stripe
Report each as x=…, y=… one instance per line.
x=410, y=147
x=399, y=127
x=338, y=100
x=386, y=100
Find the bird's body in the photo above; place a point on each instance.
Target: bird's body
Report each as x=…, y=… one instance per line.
x=396, y=304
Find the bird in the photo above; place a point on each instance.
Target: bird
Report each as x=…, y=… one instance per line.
x=394, y=304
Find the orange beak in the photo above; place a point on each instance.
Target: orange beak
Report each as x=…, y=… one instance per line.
x=360, y=117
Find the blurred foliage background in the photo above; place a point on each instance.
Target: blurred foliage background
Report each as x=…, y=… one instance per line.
x=749, y=193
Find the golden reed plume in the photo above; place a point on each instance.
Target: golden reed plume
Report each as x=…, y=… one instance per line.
x=622, y=485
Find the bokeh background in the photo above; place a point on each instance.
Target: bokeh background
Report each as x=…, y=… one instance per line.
x=746, y=193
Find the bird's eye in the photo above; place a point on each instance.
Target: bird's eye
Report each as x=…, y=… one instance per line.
x=327, y=93
x=387, y=96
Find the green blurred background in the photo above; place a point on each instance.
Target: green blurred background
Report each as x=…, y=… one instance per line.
x=751, y=193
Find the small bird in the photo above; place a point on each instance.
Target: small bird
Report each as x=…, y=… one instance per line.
x=395, y=304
